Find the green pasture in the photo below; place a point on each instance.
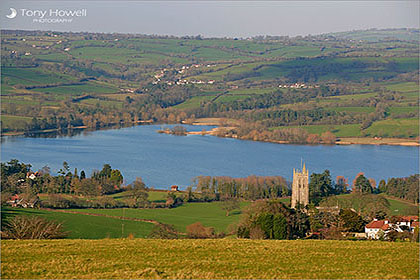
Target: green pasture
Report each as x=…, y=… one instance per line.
x=345, y=130
x=403, y=110
x=209, y=214
x=14, y=122
x=81, y=226
x=396, y=206
x=403, y=87
x=32, y=76
x=195, y=101
x=75, y=90
x=400, y=207
x=353, y=109
x=231, y=97
x=403, y=128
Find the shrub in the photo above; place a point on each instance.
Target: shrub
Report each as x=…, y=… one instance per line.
x=257, y=233
x=57, y=201
x=32, y=227
x=197, y=230
x=164, y=231
x=106, y=202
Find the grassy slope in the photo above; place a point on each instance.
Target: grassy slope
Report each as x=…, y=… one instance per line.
x=208, y=259
x=400, y=207
x=209, y=214
x=87, y=227
x=397, y=207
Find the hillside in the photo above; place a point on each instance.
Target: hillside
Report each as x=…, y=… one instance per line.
x=365, y=203
x=350, y=84
x=208, y=259
x=109, y=223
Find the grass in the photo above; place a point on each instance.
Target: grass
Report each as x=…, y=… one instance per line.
x=78, y=89
x=231, y=97
x=14, y=122
x=157, y=196
x=87, y=227
x=404, y=128
x=208, y=259
x=345, y=130
x=194, y=102
x=209, y=214
x=353, y=109
x=404, y=87
x=400, y=207
x=32, y=76
x=396, y=207
x=403, y=110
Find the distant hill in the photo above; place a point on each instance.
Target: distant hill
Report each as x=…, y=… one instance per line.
x=376, y=35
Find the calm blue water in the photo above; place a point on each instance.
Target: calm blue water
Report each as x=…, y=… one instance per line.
x=163, y=160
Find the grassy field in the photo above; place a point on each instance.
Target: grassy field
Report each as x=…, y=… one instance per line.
x=400, y=207
x=87, y=227
x=209, y=214
x=8, y=121
x=345, y=130
x=396, y=206
x=208, y=259
x=403, y=128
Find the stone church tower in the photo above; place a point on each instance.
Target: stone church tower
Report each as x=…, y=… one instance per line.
x=300, y=188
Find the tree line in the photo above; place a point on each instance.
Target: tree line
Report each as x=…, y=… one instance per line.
x=249, y=188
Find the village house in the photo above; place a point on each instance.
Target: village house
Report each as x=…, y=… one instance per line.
x=17, y=201
x=32, y=175
x=379, y=228
x=376, y=229
x=174, y=188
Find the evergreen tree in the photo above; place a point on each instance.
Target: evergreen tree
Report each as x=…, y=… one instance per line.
x=320, y=186
x=362, y=185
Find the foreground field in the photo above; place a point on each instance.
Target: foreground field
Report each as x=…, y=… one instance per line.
x=142, y=258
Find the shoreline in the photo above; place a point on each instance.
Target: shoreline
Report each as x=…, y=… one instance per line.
x=20, y=133
x=340, y=140
x=219, y=130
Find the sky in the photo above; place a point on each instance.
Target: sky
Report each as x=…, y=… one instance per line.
x=211, y=18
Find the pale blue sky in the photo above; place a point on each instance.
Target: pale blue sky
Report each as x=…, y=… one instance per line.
x=219, y=18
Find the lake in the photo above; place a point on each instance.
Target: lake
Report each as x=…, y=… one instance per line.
x=163, y=160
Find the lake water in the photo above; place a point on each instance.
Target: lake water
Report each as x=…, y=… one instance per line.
x=163, y=160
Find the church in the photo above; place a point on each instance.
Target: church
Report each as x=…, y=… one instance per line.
x=300, y=188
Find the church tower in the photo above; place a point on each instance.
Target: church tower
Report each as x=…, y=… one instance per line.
x=300, y=188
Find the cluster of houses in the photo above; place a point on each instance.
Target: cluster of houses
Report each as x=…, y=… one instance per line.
x=380, y=228
x=18, y=201
x=298, y=85
x=158, y=77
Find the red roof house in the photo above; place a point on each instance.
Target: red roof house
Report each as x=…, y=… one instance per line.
x=376, y=228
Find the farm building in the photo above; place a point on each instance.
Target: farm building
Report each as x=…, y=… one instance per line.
x=174, y=188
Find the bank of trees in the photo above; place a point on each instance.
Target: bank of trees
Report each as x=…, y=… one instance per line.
x=406, y=188
x=17, y=178
x=249, y=188
x=271, y=219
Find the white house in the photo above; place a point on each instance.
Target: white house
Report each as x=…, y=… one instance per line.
x=376, y=229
